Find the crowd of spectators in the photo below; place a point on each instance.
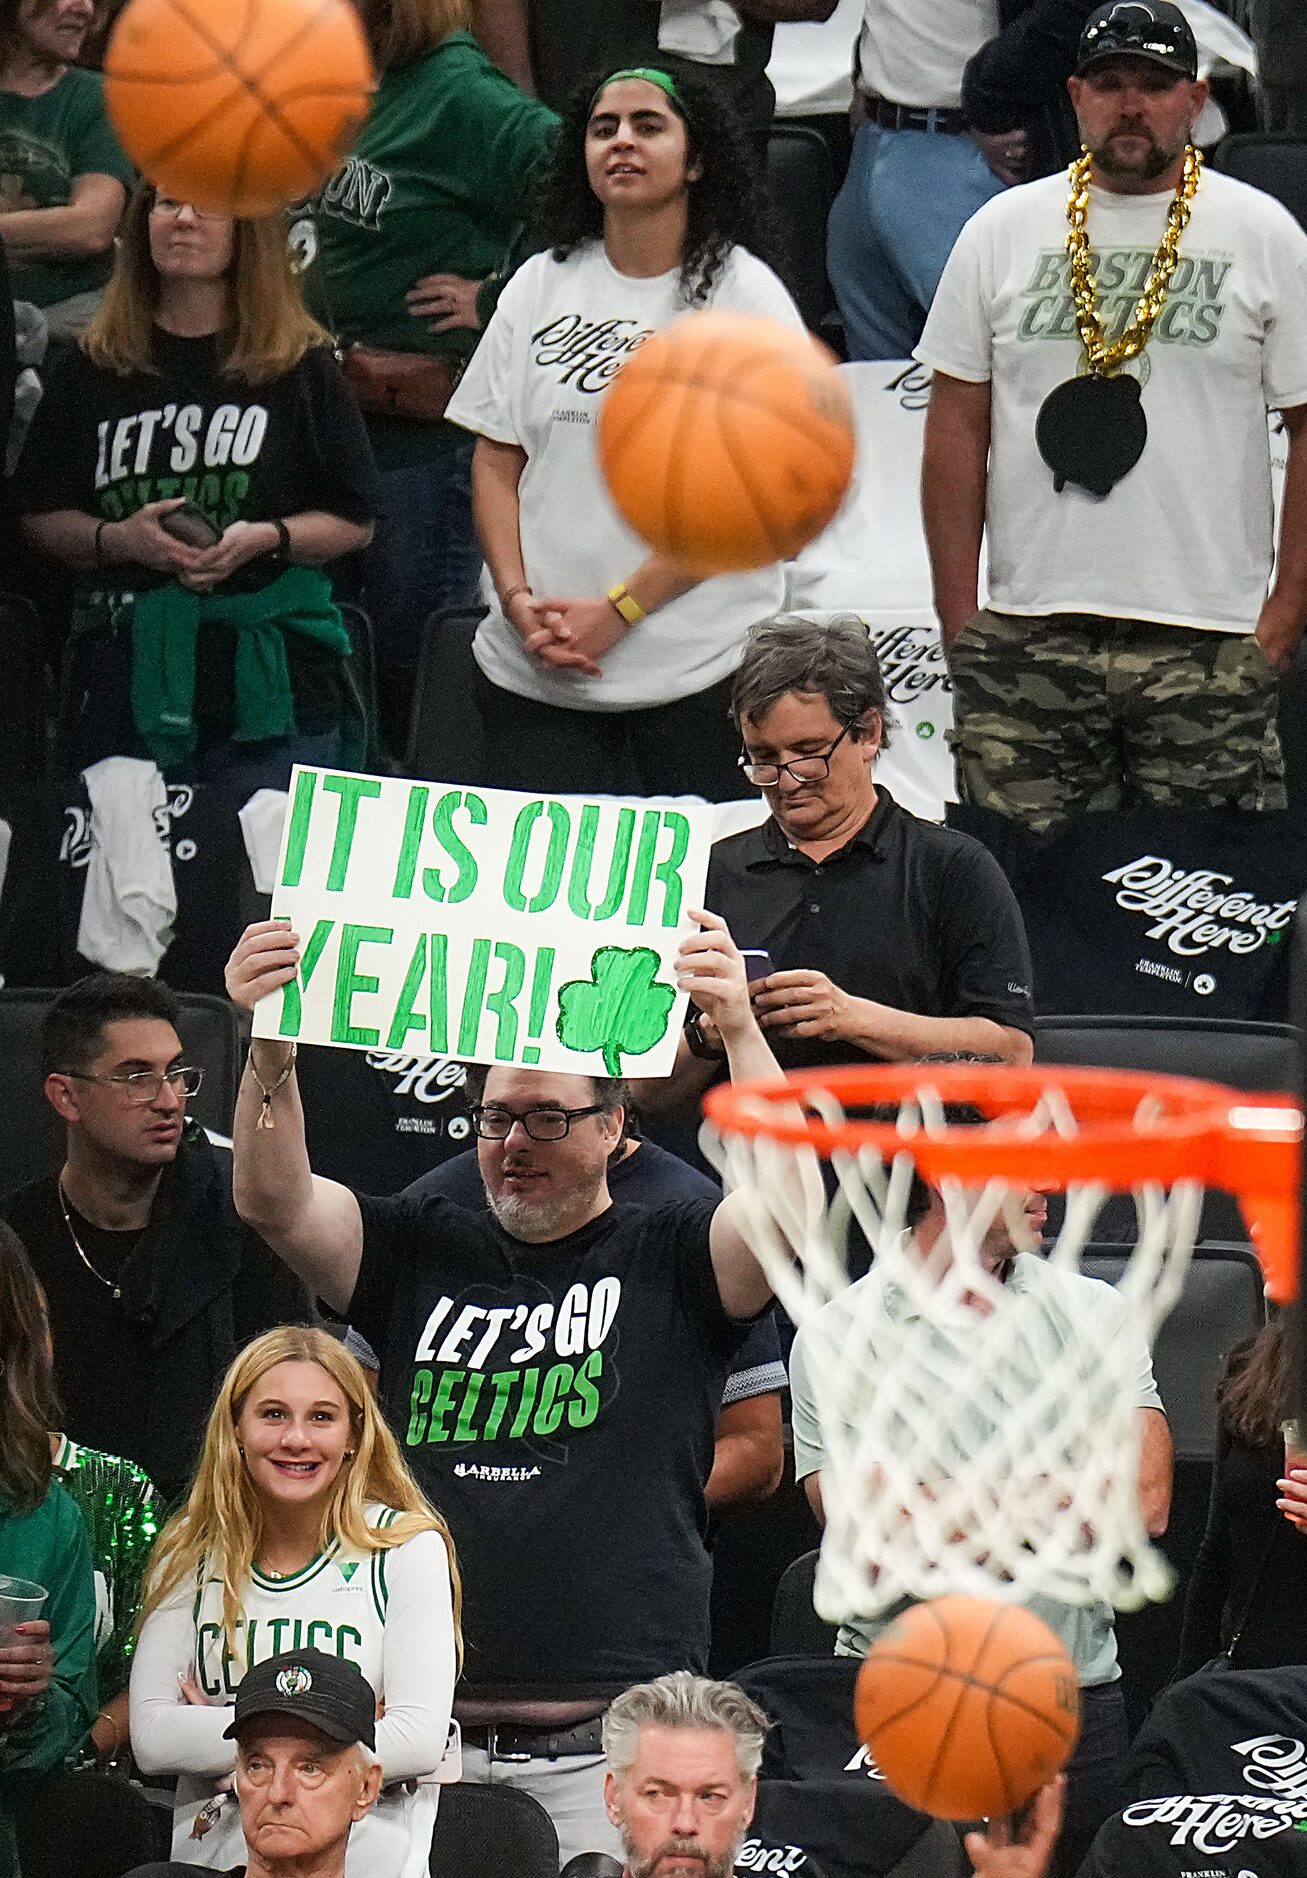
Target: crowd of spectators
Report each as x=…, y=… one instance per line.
x=341, y=1491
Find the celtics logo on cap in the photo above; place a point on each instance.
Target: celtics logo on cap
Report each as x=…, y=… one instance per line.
x=294, y=1681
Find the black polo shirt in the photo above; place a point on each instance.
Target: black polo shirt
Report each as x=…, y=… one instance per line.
x=907, y=914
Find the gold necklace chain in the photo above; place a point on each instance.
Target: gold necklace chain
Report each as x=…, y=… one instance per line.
x=1103, y=356
x=108, y=1283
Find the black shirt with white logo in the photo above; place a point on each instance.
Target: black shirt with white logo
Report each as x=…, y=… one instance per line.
x=558, y=1403
x=906, y=914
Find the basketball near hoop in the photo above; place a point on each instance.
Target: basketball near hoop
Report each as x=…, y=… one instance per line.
x=968, y=1707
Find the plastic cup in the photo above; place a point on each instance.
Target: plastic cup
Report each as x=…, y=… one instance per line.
x=20, y=1603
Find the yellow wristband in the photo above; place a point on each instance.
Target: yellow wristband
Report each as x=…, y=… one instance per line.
x=627, y=604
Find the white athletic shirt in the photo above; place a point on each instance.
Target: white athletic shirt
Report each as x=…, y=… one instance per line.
x=914, y=51
x=557, y=338
x=389, y=1612
x=1187, y=537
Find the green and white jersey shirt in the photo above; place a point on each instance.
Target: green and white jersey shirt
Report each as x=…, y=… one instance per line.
x=390, y=1612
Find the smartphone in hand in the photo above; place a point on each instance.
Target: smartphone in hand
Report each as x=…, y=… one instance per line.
x=190, y=524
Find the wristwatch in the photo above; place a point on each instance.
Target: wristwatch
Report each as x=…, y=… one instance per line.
x=701, y=1046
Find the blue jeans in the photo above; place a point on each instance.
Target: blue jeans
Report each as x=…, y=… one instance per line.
x=424, y=554
x=904, y=201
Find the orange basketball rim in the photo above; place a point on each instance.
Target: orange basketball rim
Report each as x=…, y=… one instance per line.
x=1116, y=1129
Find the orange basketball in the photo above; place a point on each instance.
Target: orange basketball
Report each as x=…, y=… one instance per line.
x=237, y=106
x=727, y=441
x=968, y=1707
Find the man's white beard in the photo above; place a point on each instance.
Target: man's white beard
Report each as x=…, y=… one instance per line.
x=538, y=1220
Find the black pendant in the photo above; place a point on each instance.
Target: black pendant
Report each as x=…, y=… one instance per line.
x=1092, y=431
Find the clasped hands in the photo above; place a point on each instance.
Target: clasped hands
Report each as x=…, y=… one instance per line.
x=567, y=635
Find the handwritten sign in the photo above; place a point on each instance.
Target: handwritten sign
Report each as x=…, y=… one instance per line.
x=484, y=924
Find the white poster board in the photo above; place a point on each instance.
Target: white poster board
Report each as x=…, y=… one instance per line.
x=485, y=924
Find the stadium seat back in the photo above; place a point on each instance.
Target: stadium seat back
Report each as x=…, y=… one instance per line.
x=801, y=181
x=96, y=1825
x=1277, y=165
x=492, y=1832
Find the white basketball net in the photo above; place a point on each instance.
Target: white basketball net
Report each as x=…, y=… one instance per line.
x=979, y=1436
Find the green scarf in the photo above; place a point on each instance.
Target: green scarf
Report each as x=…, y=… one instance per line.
x=165, y=625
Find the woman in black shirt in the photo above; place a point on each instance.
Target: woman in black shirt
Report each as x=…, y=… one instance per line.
x=1248, y=1592
x=203, y=384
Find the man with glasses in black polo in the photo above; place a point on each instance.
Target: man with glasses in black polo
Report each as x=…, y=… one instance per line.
x=886, y=938
x=151, y=1280
x=552, y=1363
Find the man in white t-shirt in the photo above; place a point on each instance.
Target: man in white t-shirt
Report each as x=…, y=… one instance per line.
x=1130, y=653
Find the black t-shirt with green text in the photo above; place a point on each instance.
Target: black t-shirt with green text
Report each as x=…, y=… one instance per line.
x=46, y=143
x=107, y=445
x=558, y=1403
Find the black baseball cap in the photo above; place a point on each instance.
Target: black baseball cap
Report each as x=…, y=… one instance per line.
x=1154, y=30
x=325, y=1691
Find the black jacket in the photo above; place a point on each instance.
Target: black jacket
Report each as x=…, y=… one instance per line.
x=200, y=1282
x=1019, y=78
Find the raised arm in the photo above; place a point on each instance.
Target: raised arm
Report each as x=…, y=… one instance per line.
x=313, y=1224
x=710, y=968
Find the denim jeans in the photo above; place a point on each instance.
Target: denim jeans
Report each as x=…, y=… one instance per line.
x=424, y=554
x=1093, y=1774
x=904, y=201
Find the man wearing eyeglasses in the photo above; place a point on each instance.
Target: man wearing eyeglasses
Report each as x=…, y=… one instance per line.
x=884, y=937
x=553, y=1368
x=152, y=1283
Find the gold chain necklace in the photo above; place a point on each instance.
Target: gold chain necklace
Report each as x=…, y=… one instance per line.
x=108, y=1283
x=1104, y=357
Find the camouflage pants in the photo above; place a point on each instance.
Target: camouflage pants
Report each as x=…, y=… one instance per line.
x=1073, y=714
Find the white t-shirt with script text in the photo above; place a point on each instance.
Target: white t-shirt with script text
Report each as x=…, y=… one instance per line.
x=559, y=334
x=1185, y=538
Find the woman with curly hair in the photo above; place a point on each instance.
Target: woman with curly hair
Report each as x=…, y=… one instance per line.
x=304, y=1530
x=609, y=668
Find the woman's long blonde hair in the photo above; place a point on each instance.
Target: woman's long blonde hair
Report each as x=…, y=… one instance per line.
x=220, y=1528
x=269, y=330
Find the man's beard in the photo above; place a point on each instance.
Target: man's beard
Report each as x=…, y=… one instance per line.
x=639, y=1867
x=538, y=1220
x=1156, y=163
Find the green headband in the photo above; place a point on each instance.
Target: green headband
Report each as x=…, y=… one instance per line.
x=651, y=76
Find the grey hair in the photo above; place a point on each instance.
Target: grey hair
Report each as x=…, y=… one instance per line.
x=683, y=1700
x=835, y=660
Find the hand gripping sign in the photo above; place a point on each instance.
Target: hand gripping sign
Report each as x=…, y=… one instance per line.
x=485, y=924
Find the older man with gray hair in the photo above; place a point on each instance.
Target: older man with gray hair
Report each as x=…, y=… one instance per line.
x=683, y=1756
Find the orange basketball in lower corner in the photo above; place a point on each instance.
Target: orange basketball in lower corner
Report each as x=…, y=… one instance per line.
x=727, y=441
x=238, y=106
x=968, y=1707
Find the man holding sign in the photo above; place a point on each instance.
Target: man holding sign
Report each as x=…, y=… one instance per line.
x=553, y=1368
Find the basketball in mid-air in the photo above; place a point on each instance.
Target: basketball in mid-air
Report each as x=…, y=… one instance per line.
x=237, y=106
x=968, y=1706
x=726, y=441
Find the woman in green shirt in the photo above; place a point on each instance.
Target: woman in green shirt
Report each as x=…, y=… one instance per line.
x=47, y=1666
x=405, y=247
